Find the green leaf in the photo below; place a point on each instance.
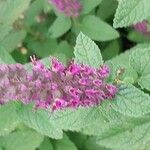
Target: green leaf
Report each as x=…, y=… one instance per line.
x=137, y=138
x=8, y=118
x=130, y=12
x=22, y=140
x=122, y=61
x=89, y=5
x=4, y=30
x=97, y=29
x=87, y=52
x=78, y=138
x=42, y=48
x=91, y=144
x=140, y=61
x=64, y=144
x=46, y=145
x=11, y=10
x=34, y=10
x=102, y=13
x=131, y=101
x=14, y=38
x=40, y=121
x=138, y=37
x=64, y=52
x=5, y=57
x=111, y=50
x=60, y=26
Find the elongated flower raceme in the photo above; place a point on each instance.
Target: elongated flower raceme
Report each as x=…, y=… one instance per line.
x=142, y=27
x=57, y=87
x=70, y=8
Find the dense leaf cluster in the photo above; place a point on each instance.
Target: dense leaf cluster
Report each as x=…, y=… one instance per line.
x=36, y=27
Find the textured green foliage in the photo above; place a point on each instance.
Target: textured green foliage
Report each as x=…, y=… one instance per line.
x=60, y=26
x=135, y=137
x=131, y=101
x=97, y=29
x=40, y=121
x=140, y=61
x=87, y=52
x=122, y=123
x=8, y=119
x=130, y=12
x=122, y=62
x=75, y=120
x=21, y=140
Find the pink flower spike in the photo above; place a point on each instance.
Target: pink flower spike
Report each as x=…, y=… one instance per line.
x=74, y=69
x=142, y=27
x=74, y=103
x=90, y=92
x=70, y=8
x=58, y=87
x=57, y=66
x=97, y=82
x=104, y=71
x=87, y=70
x=111, y=89
x=41, y=105
x=75, y=92
x=84, y=81
x=59, y=104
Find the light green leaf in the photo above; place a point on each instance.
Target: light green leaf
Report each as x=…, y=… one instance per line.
x=91, y=144
x=14, y=38
x=136, y=138
x=8, y=118
x=140, y=61
x=89, y=5
x=87, y=52
x=60, y=26
x=11, y=10
x=22, y=140
x=64, y=144
x=111, y=50
x=105, y=4
x=4, y=30
x=122, y=61
x=137, y=37
x=97, y=29
x=42, y=48
x=40, y=121
x=130, y=12
x=64, y=52
x=34, y=10
x=131, y=101
x=5, y=57
x=73, y=120
x=46, y=144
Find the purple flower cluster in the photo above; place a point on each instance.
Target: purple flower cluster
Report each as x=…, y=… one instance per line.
x=56, y=87
x=142, y=27
x=70, y=8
